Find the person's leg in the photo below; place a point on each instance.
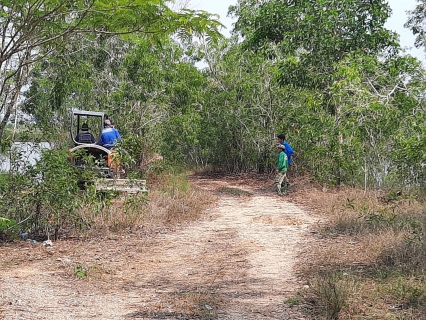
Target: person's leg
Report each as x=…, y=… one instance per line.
x=284, y=184
x=279, y=178
x=286, y=180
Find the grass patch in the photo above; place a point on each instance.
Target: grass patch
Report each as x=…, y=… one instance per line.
x=328, y=295
x=294, y=300
x=234, y=192
x=181, y=305
x=4, y=177
x=197, y=304
x=171, y=202
x=378, y=242
x=408, y=291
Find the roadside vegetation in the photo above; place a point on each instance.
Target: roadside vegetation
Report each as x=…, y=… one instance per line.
x=54, y=200
x=368, y=257
x=170, y=203
x=327, y=74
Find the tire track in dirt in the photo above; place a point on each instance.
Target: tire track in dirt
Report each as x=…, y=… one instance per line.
x=272, y=231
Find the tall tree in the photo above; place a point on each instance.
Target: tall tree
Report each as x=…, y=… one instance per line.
x=313, y=35
x=33, y=30
x=417, y=23
x=308, y=39
x=242, y=111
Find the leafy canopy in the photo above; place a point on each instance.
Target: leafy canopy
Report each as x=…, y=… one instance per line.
x=36, y=23
x=316, y=34
x=39, y=30
x=417, y=23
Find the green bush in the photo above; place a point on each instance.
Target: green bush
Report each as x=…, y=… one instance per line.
x=43, y=198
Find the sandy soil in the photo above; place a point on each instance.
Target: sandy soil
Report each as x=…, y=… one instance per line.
x=236, y=263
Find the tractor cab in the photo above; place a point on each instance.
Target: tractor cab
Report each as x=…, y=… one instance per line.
x=85, y=130
x=86, y=126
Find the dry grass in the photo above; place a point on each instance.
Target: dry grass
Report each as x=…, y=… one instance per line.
x=369, y=258
x=329, y=294
x=198, y=304
x=236, y=192
x=187, y=305
x=170, y=203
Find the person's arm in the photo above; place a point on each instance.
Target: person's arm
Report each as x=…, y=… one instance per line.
x=288, y=149
x=117, y=134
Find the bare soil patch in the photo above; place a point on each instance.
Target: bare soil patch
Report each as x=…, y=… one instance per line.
x=237, y=262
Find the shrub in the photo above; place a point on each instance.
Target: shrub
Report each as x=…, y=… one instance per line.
x=328, y=295
x=43, y=198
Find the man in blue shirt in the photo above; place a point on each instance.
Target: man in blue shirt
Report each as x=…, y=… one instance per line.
x=109, y=135
x=288, y=151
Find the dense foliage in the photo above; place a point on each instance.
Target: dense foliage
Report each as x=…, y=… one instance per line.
x=325, y=73
x=37, y=32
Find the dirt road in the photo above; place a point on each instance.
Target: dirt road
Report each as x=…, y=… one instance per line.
x=235, y=263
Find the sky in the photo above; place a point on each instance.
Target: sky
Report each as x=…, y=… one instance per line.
x=395, y=22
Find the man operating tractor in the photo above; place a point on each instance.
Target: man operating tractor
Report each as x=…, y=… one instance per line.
x=109, y=136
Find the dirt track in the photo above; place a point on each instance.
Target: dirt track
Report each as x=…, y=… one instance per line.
x=236, y=263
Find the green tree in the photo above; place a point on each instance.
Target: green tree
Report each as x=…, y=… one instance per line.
x=38, y=30
x=311, y=36
x=376, y=98
x=416, y=23
x=151, y=92
x=242, y=111
x=309, y=41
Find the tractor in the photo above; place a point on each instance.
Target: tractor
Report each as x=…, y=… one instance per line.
x=85, y=130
